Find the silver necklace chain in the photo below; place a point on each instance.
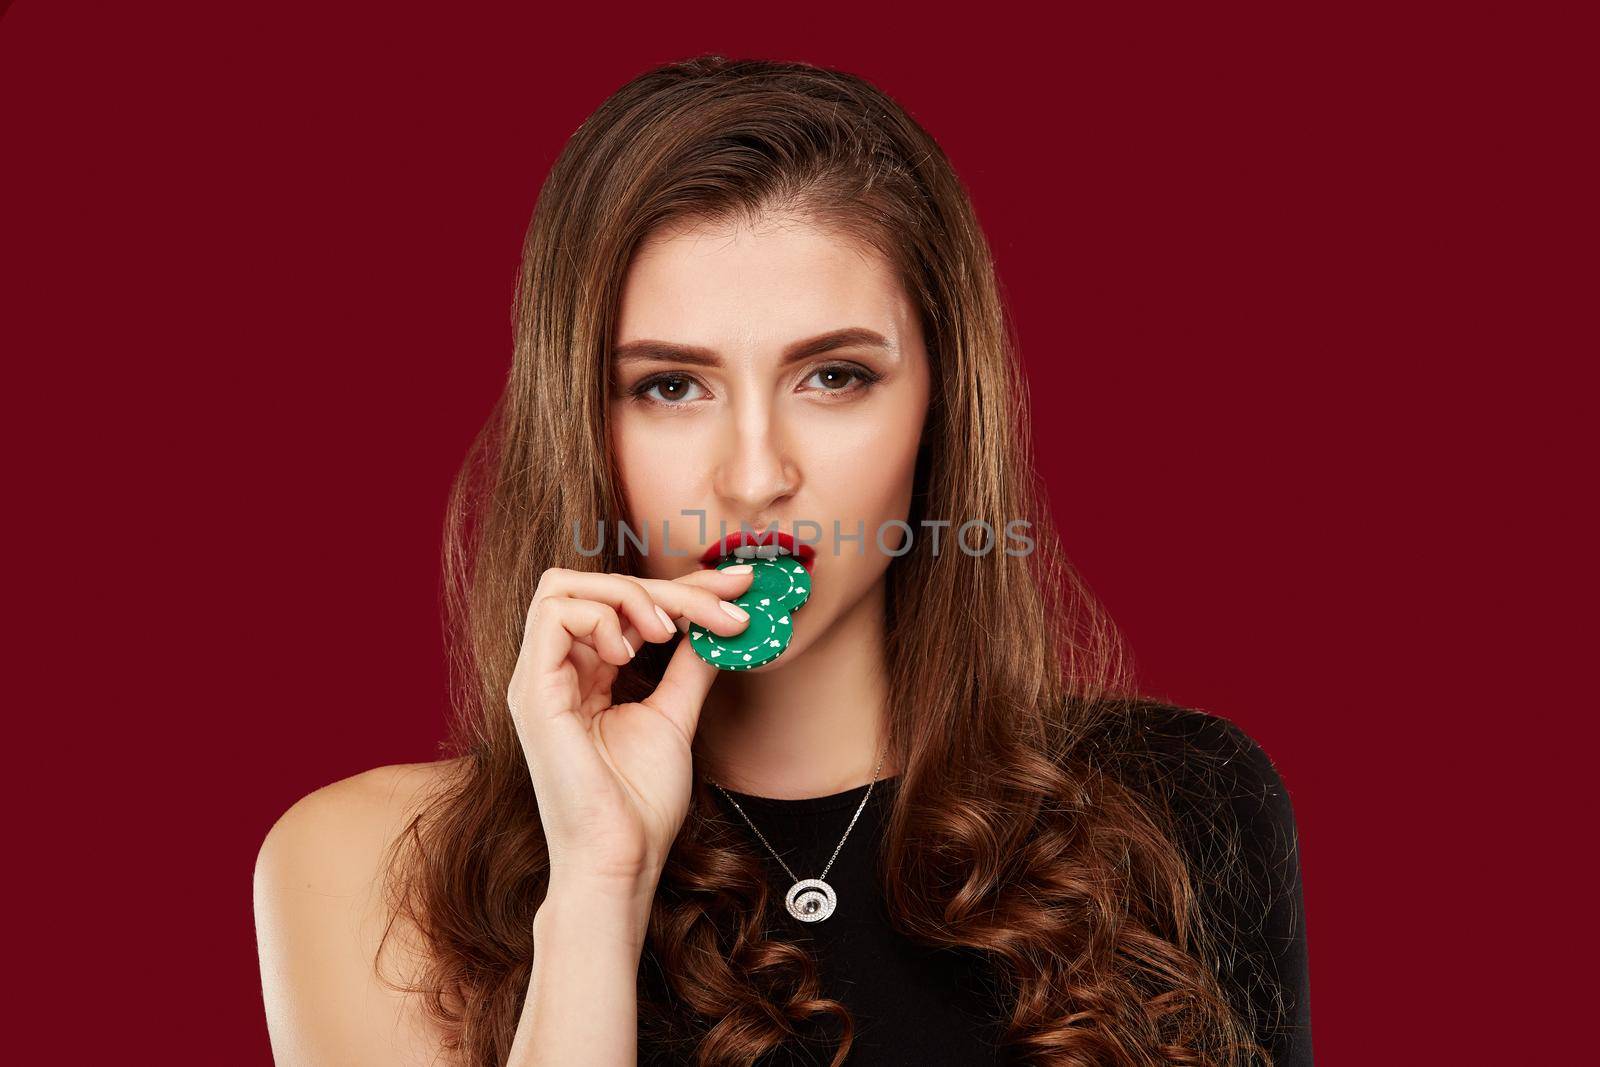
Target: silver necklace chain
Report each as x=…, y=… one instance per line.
x=811, y=899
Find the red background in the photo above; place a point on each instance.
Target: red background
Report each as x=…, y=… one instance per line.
x=1290, y=291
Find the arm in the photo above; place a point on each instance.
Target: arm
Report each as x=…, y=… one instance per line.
x=319, y=918
x=582, y=1004
x=320, y=915
x=1236, y=827
x=1244, y=847
x=1271, y=854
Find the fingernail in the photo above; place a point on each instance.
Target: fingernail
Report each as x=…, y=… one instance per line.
x=666, y=620
x=735, y=610
x=631, y=652
x=742, y=568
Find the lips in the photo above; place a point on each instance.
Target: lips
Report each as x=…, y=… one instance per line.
x=768, y=543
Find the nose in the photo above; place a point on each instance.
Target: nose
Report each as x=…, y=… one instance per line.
x=756, y=466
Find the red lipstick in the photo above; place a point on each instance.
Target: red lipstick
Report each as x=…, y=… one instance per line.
x=772, y=539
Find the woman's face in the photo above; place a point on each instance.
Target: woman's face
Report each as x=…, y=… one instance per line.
x=732, y=410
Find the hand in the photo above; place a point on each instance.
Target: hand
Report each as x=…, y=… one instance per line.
x=613, y=780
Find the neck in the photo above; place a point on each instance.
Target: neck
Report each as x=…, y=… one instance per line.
x=813, y=724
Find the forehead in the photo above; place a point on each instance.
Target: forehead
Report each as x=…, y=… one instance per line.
x=725, y=286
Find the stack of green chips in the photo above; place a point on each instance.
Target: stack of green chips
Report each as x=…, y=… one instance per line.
x=779, y=587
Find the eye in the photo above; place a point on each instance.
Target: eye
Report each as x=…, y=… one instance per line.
x=835, y=378
x=672, y=386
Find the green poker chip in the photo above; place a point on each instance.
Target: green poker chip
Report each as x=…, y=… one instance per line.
x=779, y=587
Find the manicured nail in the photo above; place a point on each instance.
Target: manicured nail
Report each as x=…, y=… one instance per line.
x=735, y=610
x=631, y=652
x=666, y=620
x=742, y=568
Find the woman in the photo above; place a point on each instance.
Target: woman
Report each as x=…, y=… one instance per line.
x=932, y=822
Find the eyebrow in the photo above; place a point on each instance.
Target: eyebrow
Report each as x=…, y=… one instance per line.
x=850, y=337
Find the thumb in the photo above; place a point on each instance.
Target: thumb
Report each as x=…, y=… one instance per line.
x=683, y=688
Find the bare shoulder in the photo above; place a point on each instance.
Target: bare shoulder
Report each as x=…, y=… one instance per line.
x=323, y=913
x=352, y=815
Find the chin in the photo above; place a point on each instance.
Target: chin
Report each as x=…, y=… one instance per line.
x=798, y=647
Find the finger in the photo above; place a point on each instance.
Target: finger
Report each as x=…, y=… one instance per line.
x=598, y=677
x=558, y=620
x=630, y=634
x=585, y=657
x=626, y=595
x=683, y=688
x=729, y=582
x=698, y=597
x=704, y=598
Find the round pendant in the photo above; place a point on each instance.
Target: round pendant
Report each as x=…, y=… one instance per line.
x=810, y=900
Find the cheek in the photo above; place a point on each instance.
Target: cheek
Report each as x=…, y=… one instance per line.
x=637, y=465
x=869, y=477
x=647, y=472
x=657, y=483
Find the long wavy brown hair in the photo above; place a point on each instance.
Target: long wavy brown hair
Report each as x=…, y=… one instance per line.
x=1006, y=840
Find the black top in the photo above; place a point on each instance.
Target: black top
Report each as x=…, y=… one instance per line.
x=915, y=1005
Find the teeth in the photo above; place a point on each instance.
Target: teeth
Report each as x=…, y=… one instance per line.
x=760, y=552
